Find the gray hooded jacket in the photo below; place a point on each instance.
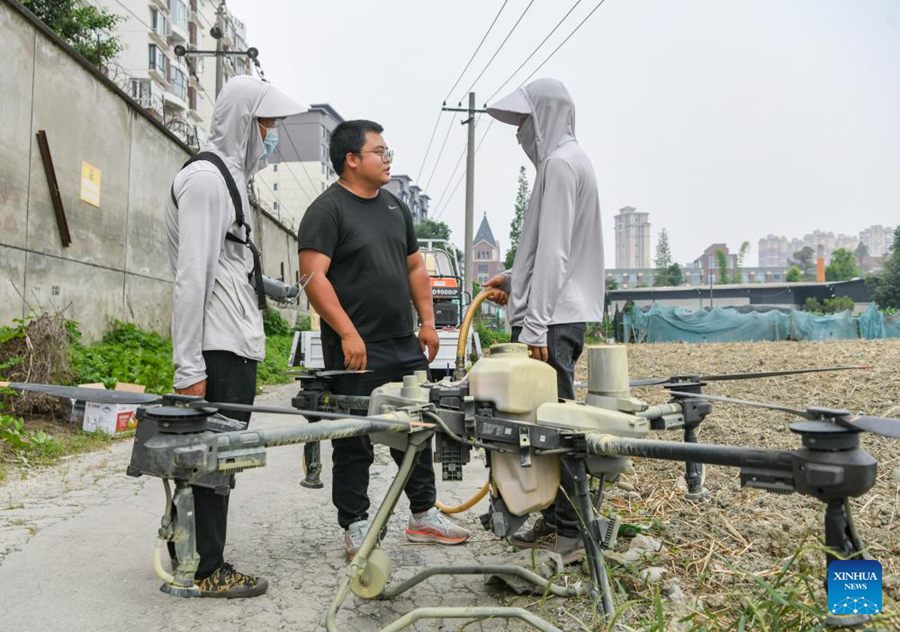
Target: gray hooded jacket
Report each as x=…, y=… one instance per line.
x=214, y=305
x=558, y=273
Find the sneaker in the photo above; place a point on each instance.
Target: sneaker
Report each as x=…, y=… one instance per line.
x=570, y=549
x=539, y=532
x=354, y=536
x=227, y=583
x=435, y=527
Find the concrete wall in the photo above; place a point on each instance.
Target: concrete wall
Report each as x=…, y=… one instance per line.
x=117, y=266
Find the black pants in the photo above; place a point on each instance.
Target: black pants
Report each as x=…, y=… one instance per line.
x=231, y=379
x=389, y=360
x=565, y=343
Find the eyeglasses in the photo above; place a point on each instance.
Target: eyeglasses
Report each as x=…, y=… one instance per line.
x=386, y=155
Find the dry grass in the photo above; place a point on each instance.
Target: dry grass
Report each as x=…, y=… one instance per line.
x=745, y=553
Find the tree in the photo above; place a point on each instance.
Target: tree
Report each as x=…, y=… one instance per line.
x=523, y=193
x=842, y=267
x=722, y=260
x=663, y=259
x=887, y=292
x=83, y=26
x=737, y=277
x=675, y=275
x=794, y=275
x=428, y=229
x=805, y=260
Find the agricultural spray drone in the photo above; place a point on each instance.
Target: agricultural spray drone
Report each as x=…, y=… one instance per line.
x=507, y=406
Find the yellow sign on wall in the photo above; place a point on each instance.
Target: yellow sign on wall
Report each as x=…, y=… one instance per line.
x=90, y=184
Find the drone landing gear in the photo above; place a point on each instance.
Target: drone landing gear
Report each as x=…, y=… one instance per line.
x=179, y=529
x=312, y=459
x=841, y=542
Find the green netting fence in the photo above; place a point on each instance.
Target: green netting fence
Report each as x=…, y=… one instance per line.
x=725, y=324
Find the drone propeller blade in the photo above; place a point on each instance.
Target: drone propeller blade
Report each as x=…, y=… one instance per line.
x=884, y=426
x=337, y=372
x=750, y=376
x=746, y=402
x=649, y=381
x=98, y=395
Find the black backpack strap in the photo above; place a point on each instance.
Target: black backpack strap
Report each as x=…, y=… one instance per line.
x=256, y=274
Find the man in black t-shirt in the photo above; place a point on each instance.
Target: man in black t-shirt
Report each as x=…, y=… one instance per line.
x=358, y=246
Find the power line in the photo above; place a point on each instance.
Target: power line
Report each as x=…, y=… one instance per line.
x=302, y=164
x=462, y=176
x=135, y=16
x=441, y=152
x=499, y=48
x=430, y=140
x=477, y=48
x=575, y=30
x=537, y=48
x=452, y=174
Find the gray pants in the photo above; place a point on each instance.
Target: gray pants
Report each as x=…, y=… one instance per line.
x=564, y=345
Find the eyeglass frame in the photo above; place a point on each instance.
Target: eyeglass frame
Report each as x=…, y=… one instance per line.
x=386, y=154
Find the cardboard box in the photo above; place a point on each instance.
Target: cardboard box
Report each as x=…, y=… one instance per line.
x=112, y=419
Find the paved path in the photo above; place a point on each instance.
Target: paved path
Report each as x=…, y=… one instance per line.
x=76, y=546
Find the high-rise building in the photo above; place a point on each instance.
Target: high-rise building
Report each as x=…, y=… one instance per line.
x=179, y=91
x=411, y=194
x=774, y=251
x=632, y=239
x=877, y=239
x=301, y=167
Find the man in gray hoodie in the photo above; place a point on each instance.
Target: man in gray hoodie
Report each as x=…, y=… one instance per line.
x=217, y=329
x=556, y=284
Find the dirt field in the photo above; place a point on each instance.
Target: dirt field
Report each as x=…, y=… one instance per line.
x=731, y=556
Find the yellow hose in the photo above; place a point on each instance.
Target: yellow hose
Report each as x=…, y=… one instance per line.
x=464, y=332
x=466, y=505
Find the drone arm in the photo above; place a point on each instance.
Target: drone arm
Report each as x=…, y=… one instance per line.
x=611, y=445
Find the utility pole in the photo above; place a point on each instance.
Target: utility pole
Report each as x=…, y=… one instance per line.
x=219, y=33
x=470, y=189
x=470, y=196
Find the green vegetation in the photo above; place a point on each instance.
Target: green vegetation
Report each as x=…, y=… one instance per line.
x=843, y=266
x=126, y=353
x=83, y=26
x=738, y=276
x=523, y=193
x=887, y=289
x=794, y=275
x=668, y=273
x=829, y=305
x=722, y=262
x=429, y=229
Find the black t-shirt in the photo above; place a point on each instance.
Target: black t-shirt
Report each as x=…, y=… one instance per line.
x=368, y=241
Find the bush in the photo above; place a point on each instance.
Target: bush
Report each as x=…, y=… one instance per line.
x=304, y=322
x=274, y=369
x=829, y=305
x=275, y=324
x=127, y=353
x=490, y=335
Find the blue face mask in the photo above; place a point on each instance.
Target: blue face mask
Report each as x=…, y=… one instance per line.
x=271, y=142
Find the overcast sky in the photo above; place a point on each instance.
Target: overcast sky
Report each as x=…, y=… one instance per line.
x=725, y=120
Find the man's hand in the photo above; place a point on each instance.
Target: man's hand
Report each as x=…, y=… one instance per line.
x=198, y=389
x=538, y=353
x=428, y=339
x=497, y=295
x=354, y=351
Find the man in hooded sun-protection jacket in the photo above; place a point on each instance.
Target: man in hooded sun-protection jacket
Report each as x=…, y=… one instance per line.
x=556, y=284
x=217, y=329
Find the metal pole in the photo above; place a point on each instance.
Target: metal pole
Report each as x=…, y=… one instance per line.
x=470, y=196
x=220, y=58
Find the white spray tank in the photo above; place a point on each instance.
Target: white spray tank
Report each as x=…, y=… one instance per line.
x=517, y=385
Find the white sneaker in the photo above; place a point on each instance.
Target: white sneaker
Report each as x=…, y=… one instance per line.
x=435, y=527
x=354, y=535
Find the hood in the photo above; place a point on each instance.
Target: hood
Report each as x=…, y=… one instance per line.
x=234, y=134
x=553, y=116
